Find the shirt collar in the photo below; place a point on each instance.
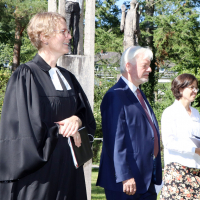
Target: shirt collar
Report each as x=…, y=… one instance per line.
x=132, y=87
x=42, y=63
x=179, y=105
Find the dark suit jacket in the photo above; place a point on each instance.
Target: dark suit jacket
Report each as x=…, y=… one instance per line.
x=128, y=143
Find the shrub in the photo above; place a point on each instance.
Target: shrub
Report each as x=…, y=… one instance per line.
x=5, y=74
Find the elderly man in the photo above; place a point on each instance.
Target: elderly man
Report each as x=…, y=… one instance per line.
x=130, y=161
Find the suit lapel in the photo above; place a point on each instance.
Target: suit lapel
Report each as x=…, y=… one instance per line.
x=132, y=98
x=121, y=85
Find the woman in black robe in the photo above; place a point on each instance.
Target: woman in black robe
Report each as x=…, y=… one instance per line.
x=35, y=159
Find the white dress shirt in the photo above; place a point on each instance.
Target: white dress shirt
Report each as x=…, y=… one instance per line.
x=177, y=126
x=133, y=88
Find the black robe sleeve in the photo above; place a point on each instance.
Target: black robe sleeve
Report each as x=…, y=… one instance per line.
x=84, y=112
x=26, y=142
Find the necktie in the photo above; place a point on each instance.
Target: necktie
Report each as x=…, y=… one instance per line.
x=139, y=95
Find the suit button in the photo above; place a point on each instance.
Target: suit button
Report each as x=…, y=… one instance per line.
x=152, y=138
x=152, y=155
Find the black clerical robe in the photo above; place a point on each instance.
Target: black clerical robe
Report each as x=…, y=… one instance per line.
x=35, y=161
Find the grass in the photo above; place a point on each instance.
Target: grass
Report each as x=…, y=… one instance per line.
x=98, y=192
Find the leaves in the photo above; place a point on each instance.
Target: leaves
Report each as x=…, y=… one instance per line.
x=15, y=15
x=177, y=36
x=4, y=77
x=107, y=41
x=106, y=14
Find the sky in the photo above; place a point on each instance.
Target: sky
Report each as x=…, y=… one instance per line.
x=119, y=3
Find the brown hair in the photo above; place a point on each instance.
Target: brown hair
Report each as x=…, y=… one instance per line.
x=182, y=81
x=43, y=22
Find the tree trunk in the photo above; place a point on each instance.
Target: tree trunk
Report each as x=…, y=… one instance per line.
x=17, y=45
x=149, y=28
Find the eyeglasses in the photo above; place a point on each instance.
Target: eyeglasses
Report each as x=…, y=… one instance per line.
x=194, y=89
x=65, y=32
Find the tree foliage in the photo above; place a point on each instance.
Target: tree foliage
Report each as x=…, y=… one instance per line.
x=5, y=74
x=107, y=34
x=106, y=14
x=175, y=31
x=103, y=82
x=177, y=36
x=15, y=15
x=107, y=41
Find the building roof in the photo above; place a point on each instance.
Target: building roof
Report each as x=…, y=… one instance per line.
x=111, y=57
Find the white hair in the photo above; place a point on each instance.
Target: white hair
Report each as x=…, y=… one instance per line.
x=130, y=54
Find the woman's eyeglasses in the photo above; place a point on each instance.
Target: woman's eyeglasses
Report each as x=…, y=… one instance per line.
x=194, y=89
x=65, y=32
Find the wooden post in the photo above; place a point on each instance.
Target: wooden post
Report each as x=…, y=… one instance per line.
x=61, y=7
x=82, y=66
x=89, y=51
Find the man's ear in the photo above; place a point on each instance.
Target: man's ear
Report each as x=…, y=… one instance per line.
x=128, y=67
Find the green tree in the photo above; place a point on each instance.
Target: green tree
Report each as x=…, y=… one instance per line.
x=107, y=41
x=170, y=29
x=107, y=35
x=106, y=14
x=177, y=36
x=4, y=76
x=104, y=80
x=15, y=17
x=6, y=52
x=28, y=51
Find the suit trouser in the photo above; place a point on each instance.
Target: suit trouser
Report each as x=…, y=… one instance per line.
x=149, y=195
x=72, y=10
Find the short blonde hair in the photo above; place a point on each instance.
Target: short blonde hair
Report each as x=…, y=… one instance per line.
x=43, y=22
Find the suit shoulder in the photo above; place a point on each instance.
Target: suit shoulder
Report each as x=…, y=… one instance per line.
x=112, y=97
x=117, y=89
x=112, y=92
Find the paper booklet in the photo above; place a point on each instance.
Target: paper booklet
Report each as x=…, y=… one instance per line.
x=83, y=153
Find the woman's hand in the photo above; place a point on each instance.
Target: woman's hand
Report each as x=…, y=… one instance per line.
x=77, y=139
x=69, y=127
